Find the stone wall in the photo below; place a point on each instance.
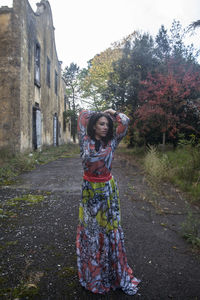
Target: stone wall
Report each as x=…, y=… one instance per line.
x=22, y=34
x=10, y=64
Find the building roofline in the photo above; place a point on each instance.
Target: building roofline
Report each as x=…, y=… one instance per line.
x=37, y=15
x=5, y=9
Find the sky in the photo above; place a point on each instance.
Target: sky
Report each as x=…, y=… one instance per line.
x=84, y=28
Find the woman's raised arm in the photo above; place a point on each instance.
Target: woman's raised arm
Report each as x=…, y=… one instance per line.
x=83, y=119
x=122, y=125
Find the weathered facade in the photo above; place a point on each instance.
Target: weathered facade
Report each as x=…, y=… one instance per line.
x=32, y=92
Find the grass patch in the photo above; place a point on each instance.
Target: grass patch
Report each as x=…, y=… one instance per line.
x=67, y=272
x=138, y=151
x=10, y=207
x=8, y=244
x=4, y=213
x=180, y=167
x=11, y=165
x=28, y=199
x=190, y=230
x=69, y=276
x=25, y=291
x=27, y=288
x=185, y=164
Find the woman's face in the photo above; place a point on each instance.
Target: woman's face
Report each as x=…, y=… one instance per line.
x=101, y=128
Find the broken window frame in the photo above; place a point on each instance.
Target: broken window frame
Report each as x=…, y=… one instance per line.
x=37, y=73
x=56, y=82
x=48, y=72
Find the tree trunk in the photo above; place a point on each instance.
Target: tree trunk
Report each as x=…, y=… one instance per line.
x=163, y=139
x=74, y=117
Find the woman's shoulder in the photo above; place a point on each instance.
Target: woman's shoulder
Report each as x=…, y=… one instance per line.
x=89, y=140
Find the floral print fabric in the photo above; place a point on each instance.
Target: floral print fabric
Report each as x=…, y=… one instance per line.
x=101, y=255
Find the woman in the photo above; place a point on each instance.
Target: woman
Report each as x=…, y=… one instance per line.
x=101, y=257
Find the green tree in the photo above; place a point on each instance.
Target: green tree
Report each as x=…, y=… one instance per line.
x=95, y=78
x=179, y=50
x=137, y=60
x=72, y=81
x=195, y=24
x=162, y=47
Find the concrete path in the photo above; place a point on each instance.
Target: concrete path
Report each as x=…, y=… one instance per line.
x=38, y=242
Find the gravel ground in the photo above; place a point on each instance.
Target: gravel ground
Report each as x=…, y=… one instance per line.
x=37, y=241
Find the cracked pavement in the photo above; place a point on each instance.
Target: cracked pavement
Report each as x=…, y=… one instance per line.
x=37, y=242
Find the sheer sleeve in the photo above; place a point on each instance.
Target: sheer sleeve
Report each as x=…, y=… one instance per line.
x=83, y=122
x=82, y=127
x=121, y=130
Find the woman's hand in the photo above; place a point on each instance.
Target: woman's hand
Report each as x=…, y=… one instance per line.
x=110, y=111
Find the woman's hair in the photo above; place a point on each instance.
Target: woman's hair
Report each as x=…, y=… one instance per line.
x=92, y=122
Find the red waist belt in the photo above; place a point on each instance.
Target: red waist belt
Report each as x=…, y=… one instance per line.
x=100, y=178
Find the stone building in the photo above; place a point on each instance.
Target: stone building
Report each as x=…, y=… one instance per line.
x=32, y=92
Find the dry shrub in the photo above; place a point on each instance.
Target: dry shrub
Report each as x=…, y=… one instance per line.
x=156, y=166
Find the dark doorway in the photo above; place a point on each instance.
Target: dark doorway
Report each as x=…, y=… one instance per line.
x=37, y=126
x=55, y=129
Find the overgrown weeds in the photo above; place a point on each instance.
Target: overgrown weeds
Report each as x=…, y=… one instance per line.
x=11, y=165
x=180, y=167
x=190, y=230
x=157, y=166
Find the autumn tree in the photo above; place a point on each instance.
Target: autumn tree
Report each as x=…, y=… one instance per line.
x=165, y=108
x=95, y=78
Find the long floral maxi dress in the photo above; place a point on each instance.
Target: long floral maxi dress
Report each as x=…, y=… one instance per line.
x=101, y=256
